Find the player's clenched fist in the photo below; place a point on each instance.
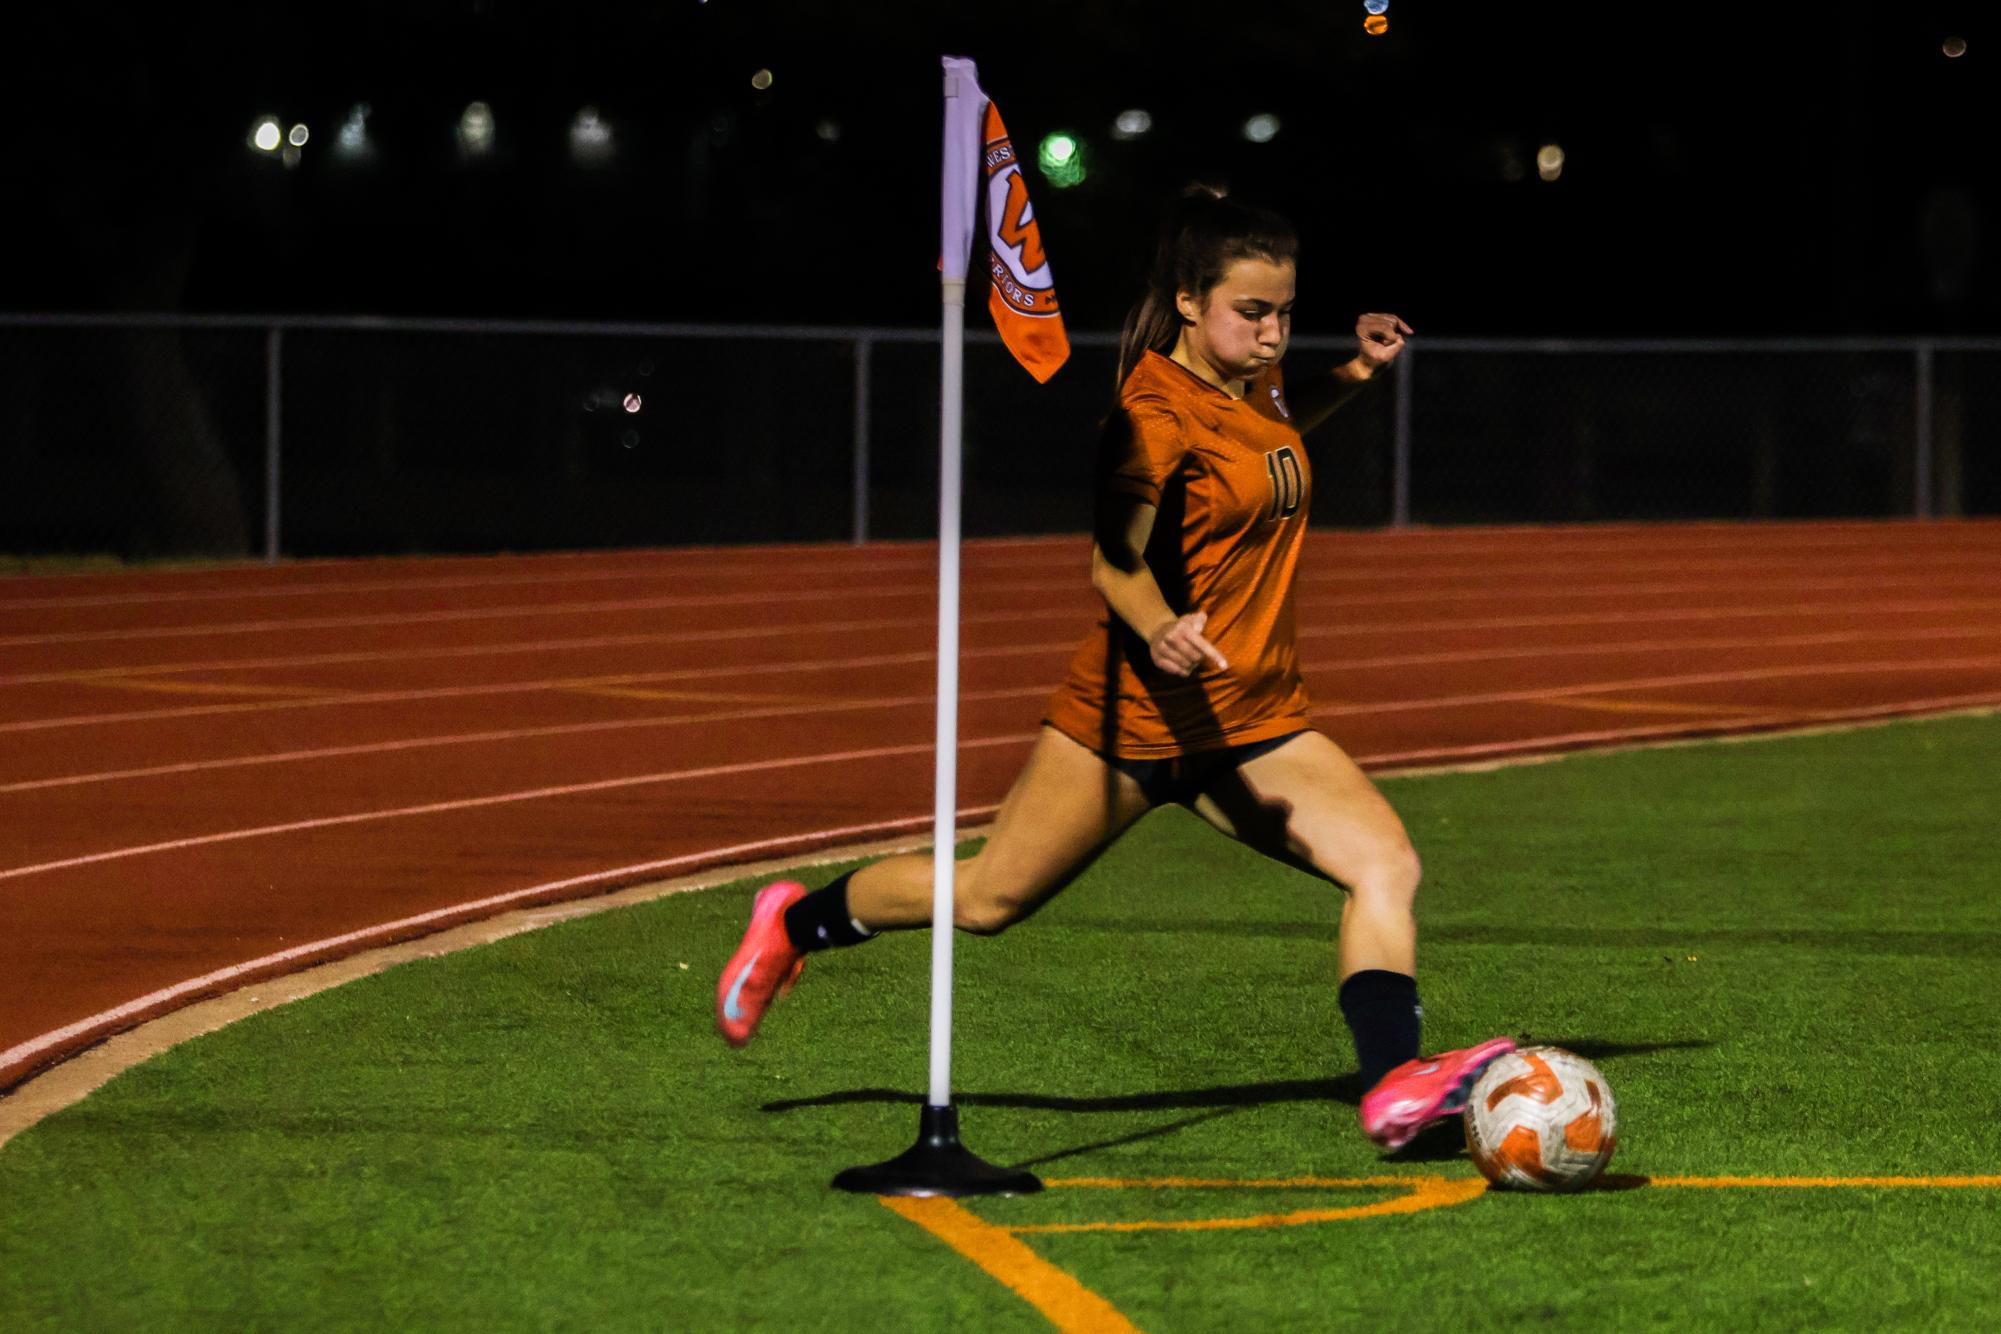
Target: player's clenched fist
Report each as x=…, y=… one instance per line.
x=1179, y=647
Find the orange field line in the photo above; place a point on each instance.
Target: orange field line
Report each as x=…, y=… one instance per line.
x=1063, y=1301
x=1826, y=1183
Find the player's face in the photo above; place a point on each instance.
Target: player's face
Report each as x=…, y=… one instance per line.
x=1246, y=323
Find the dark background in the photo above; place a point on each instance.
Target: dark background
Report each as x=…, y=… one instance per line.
x=1746, y=169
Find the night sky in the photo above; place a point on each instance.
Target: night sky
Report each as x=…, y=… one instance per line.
x=1728, y=170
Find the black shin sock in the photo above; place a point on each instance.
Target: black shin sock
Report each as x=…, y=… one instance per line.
x=821, y=920
x=1382, y=1011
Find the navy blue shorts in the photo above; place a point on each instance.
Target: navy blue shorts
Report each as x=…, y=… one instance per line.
x=1179, y=779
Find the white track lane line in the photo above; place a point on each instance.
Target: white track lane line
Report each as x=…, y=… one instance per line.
x=677, y=775
x=507, y=798
x=296, y=579
x=1571, y=741
x=289, y=959
x=1326, y=666
x=1409, y=567
x=298, y=954
x=1429, y=594
x=927, y=628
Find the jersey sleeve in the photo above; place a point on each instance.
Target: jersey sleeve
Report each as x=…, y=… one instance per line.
x=1143, y=446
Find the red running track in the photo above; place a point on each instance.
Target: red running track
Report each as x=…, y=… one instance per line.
x=212, y=776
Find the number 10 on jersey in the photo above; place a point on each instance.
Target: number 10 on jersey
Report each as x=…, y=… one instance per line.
x=1288, y=483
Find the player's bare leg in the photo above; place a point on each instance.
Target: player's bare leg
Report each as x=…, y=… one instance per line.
x=1066, y=806
x=1309, y=804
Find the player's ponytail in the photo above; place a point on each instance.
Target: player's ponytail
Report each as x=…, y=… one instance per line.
x=1203, y=234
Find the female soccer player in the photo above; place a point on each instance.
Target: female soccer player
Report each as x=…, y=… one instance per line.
x=1188, y=690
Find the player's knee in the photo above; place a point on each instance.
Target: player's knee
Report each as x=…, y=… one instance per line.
x=987, y=913
x=1387, y=875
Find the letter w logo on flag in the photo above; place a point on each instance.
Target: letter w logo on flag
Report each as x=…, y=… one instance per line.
x=1022, y=298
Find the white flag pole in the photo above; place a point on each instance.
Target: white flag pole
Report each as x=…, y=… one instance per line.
x=945, y=779
x=938, y=1164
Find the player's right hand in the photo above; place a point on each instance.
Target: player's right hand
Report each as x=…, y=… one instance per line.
x=1179, y=647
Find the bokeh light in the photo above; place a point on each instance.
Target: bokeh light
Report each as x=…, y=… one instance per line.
x=1375, y=25
x=265, y=136
x=476, y=129
x=1261, y=128
x=297, y=138
x=1549, y=161
x=590, y=138
x=1061, y=158
x=1132, y=124
x=1954, y=47
x=761, y=80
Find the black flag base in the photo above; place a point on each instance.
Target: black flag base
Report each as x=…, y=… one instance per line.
x=937, y=1165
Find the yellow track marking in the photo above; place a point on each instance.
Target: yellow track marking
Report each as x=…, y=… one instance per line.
x=1717, y=711
x=1066, y=1303
x=212, y=688
x=697, y=696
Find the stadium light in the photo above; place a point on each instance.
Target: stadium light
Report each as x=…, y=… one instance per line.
x=476, y=130
x=590, y=138
x=1132, y=124
x=1261, y=128
x=351, y=141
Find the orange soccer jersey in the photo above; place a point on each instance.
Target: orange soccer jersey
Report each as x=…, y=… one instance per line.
x=1230, y=479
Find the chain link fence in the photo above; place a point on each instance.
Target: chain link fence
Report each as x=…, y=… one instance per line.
x=148, y=437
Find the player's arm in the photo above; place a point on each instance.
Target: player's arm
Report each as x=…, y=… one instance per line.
x=1122, y=577
x=1316, y=399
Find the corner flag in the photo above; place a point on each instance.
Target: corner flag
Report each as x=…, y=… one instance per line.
x=1021, y=295
x=1023, y=303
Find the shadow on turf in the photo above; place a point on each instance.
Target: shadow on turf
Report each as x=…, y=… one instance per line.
x=1435, y=1145
x=1346, y=1089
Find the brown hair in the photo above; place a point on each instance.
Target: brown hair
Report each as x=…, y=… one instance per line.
x=1203, y=234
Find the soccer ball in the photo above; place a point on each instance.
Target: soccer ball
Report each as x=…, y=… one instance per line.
x=1541, y=1118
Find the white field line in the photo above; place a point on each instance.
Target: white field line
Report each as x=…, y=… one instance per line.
x=1429, y=594
x=298, y=954
x=677, y=775
x=1328, y=666
x=927, y=628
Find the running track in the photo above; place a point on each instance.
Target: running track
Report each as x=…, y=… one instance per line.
x=212, y=776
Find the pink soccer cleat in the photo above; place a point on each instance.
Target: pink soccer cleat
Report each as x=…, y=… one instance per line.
x=1428, y=1089
x=763, y=968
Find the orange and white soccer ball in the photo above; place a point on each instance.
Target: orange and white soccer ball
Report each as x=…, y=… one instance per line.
x=1541, y=1118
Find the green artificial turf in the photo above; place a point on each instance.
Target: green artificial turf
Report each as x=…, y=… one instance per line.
x=1785, y=955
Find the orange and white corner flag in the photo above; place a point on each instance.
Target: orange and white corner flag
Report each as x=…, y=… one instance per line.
x=1021, y=295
